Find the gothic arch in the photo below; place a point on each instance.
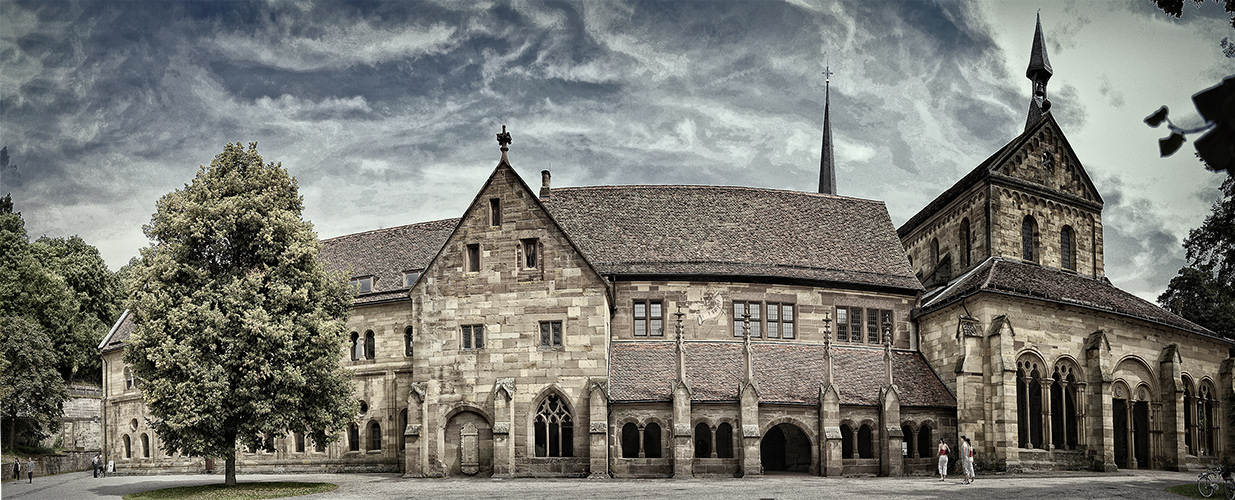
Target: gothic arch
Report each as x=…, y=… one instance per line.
x=806, y=429
x=1135, y=370
x=787, y=444
x=461, y=407
x=1031, y=371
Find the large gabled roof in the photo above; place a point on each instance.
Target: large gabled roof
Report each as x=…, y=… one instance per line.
x=385, y=254
x=733, y=231
x=988, y=169
x=1022, y=279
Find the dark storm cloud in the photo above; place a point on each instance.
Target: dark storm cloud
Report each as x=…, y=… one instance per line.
x=385, y=111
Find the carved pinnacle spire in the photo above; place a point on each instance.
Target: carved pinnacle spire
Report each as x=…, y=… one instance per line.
x=827, y=170
x=503, y=139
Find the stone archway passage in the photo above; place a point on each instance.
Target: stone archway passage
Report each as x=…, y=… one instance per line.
x=785, y=448
x=1140, y=434
x=1119, y=416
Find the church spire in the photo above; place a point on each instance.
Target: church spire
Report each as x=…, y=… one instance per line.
x=827, y=171
x=1039, y=72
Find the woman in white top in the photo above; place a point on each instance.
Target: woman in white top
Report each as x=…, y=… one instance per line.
x=943, y=460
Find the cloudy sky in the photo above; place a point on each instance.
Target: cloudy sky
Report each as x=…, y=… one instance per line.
x=386, y=111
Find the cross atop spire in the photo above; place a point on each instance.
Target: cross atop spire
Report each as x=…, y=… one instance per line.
x=827, y=171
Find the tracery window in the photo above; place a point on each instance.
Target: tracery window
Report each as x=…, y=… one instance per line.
x=649, y=318
x=1206, y=419
x=554, y=429
x=1029, y=239
x=1029, y=404
x=1064, y=432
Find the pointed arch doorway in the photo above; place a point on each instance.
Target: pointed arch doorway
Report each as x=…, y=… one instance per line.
x=785, y=448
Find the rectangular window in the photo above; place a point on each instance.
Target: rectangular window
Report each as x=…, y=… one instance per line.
x=473, y=336
x=740, y=310
x=362, y=285
x=551, y=333
x=649, y=318
x=855, y=324
x=529, y=253
x=842, y=324
x=473, y=258
x=872, y=326
x=780, y=321
x=495, y=211
x=409, y=278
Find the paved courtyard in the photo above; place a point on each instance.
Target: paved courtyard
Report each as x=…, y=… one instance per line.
x=1127, y=485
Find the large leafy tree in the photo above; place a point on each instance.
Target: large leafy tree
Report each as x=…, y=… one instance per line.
x=32, y=393
x=1204, y=291
x=239, y=328
x=63, y=285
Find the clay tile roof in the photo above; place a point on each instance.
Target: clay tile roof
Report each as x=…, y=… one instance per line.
x=784, y=373
x=1013, y=277
x=739, y=231
x=385, y=254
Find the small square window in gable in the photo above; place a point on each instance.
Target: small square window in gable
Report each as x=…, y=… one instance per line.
x=495, y=211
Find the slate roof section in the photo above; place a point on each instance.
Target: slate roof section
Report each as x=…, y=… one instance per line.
x=733, y=231
x=119, y=333
x=385, y=254
x=1017, y=278
x=784, y=372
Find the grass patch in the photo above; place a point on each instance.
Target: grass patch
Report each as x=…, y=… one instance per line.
x=1190, y=491
x=241, y=491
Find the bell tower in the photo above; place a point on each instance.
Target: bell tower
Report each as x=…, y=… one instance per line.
x=1039, y=72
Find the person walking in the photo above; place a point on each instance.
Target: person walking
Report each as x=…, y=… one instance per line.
x=16, y=468
x=30, y=469
x=964, y=442
x=95, y=462
x=968, y=462
x=943, y=460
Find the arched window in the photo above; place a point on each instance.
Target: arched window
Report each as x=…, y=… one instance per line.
x=375, y=436
x=1189, y=422
x=925, y=440
x=1029, y=239
x=145, y=446
x=1029, y=404
x=370, y=345
x=724, y=441
x=966, y=243
x=353, y=437
x=357, y=349
x=1063, y=407
x=299, y=436
x=846, y=441
x=128, y=447
x=555, y=431
x=907, y=431
x=1206, y=419
x=128, y=378
x=651, y=440
x=934, y=252
x=407, y=341
x=1067, y=248
x=864, y=442
x=703, y=440
x=630, y=440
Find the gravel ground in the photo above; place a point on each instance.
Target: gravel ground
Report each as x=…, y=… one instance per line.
x=1124, y=485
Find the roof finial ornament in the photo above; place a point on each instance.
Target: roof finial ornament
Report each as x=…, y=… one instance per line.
x=503, y=139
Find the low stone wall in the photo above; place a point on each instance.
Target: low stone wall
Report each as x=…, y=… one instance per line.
x=69, y=461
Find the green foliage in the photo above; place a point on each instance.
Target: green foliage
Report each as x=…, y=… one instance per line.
x=239, y=328
x=63, y=285
x=1187, y=490
x=1175, y=8
x=32, y=393
x=244, y=491
x=1204, y=292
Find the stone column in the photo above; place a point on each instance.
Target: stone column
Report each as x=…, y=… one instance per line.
x=891, y=436
x=830, y=463
x=1048, y=427
x=598, y=427
x=1099, y=418
x=752, y=463
x=503, y=422
x=1170, y=379
x=970, y=383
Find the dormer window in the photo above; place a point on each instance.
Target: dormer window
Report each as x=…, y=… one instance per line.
x=362, y=285
x=495, y=211
x=409, y=278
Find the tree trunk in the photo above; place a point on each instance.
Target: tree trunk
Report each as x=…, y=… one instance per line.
x=230, y=469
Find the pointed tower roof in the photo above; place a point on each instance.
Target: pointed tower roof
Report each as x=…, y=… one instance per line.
x=827, y=171
x=1038, y=62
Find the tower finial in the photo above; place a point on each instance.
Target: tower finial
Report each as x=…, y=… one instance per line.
x=827, y=171
x=503, y=140
x=1039, y=72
